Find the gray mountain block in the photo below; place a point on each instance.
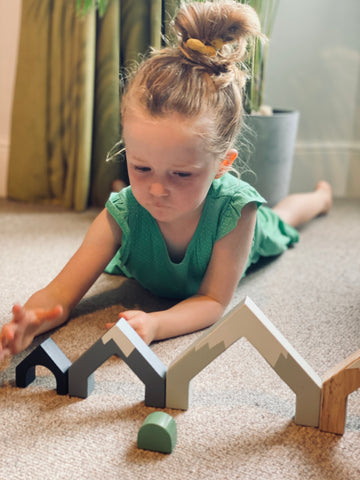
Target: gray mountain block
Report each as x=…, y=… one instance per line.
x=123, y=341
x=49, y=355
x=247, y=320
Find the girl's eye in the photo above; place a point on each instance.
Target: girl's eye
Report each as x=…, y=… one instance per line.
x=142, y=169
x=183, y=174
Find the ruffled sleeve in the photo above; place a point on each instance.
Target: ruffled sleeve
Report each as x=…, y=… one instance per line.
x=240, y=194
x=119, y=205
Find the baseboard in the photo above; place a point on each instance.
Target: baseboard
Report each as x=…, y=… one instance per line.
x=4, y=158
x=336, y=162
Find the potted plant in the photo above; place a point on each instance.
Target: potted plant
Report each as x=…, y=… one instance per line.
x=267, y=142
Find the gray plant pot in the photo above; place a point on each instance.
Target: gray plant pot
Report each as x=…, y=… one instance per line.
x=267, y=145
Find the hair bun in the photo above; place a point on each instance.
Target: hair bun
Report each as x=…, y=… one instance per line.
x=214, y=33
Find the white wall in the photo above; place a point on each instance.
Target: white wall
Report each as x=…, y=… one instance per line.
x=9, y=34
x=314, y=60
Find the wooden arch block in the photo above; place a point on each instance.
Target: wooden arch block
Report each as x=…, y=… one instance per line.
x=338, y=383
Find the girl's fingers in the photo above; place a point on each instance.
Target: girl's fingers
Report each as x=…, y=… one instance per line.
x=129, y=314
x=47, y=315
x=4, y=354
x=36, y=316
x=16, y=333
x=7, y=333
x=7, y=336
x=18, y=312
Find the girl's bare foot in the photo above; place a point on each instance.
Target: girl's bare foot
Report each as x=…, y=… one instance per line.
x=299, y=208
x=325, y=189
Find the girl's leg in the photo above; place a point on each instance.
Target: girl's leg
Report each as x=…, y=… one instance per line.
x=299, y=208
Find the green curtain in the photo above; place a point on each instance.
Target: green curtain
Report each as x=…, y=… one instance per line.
x=66, y=102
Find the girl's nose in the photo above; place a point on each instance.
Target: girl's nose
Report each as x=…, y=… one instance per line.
x=158, y=190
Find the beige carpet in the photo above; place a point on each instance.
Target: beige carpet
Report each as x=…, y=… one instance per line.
x=239, y=424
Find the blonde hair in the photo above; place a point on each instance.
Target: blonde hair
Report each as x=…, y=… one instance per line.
x=195, y=81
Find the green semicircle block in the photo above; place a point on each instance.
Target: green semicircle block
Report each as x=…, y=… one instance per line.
x=158, y=433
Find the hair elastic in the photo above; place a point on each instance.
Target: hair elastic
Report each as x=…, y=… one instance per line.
x=209, y=50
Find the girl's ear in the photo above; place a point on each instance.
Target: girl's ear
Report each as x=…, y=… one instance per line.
x=227, y=162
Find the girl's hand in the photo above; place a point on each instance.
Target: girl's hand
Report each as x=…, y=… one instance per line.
x=145, y=324
x=18, y=334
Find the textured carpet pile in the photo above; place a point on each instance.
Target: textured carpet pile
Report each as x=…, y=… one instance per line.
x=240, y=421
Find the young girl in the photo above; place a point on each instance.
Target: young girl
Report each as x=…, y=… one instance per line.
x=185, y=228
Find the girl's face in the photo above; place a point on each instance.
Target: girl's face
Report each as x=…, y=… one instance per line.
x=170, y=171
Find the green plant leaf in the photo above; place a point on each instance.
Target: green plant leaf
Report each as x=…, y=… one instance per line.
x=84, y=6
x=256, y=63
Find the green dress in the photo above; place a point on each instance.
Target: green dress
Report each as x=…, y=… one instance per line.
x=143, y=254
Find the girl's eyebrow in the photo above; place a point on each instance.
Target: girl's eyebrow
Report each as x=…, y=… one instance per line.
x=179, y=166
x=139, y=159
x=188, y=166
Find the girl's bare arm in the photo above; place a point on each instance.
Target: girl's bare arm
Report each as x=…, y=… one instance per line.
x=51, y=306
